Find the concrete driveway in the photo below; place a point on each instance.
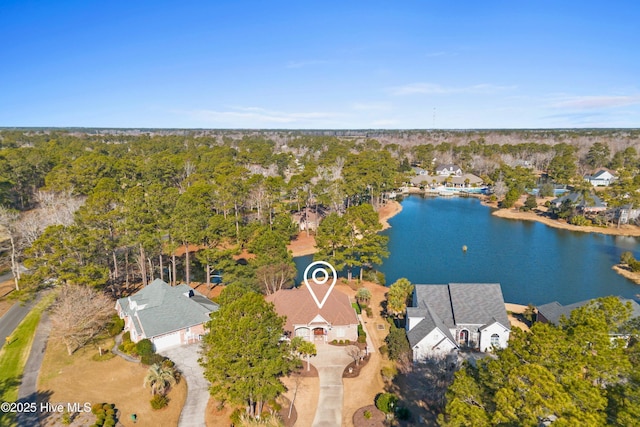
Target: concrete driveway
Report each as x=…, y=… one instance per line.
x=186, y=359
x=330, y=363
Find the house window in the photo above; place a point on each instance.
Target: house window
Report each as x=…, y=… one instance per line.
x=495, y=340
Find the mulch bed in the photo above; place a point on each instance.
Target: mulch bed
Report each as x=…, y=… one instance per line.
x=376, y=420
x=355, y=370
x=284, y=412
x=302, y=372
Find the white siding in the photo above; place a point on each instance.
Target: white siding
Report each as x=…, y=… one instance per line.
x=494, y=328
x=167, y=341
x=433, y=345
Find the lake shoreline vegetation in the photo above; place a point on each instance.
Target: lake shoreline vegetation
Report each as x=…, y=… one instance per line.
x=112, y=210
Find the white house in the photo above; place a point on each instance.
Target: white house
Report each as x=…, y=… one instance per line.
x=448, y=170
x=444, y=318
x=601, y=177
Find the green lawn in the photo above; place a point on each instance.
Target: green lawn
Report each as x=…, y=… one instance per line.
x=13, y=356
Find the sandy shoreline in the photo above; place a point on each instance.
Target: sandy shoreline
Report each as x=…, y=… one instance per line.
x=634, y=277
x=624, y=230
x=306, y=245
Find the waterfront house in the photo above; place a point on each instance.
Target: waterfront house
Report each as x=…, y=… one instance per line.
x=463, y=181
x=554, y=311
x=626, y=214
x=590, y=203
x=336, y=320
x=601, y=177
x=448, y=170
x=445, y=318
x=168, y=316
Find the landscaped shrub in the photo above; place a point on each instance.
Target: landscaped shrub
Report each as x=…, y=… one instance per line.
x=126, y=337
x=96, y=407
x=144, y=347
x=334, y=342
x=386, y=402
x=115, y=325
x=152, y=359
x=384, y=350
x=389, y=372
x=128, y=347
x=159, y=401
x=367, y=414
x=362, y=335
x=356, y=307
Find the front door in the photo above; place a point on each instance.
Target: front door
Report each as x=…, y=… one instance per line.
x=464, y=338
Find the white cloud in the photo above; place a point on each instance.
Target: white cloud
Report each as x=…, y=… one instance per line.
x=436, y=89
x=595, y=102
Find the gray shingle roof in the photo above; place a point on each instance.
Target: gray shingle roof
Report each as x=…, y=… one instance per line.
x=580, y=200
x=553, y=311
x=162, y=308
x=478, y=303
x=430, y=322
x=445, y=306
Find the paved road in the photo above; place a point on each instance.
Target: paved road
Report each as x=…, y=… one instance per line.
x=28, y=391
x=186, y=359
x=330, y=363
x=12, y=318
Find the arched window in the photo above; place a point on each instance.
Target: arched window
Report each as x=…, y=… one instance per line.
x=495, y=341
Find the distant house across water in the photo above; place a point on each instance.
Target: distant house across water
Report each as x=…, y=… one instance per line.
x=448, y=170
x=601, y=177
x=589, y=203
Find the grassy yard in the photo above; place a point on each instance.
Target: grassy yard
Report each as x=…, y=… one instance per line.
x=81, y=378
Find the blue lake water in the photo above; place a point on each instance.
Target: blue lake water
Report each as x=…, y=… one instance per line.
x=534, y=263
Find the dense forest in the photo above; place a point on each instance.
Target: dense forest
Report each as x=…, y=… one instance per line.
x=110, y=207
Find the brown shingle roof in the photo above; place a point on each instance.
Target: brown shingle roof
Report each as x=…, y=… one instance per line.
x=300, y=308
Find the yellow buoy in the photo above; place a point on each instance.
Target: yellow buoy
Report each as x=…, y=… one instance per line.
x=464, y=248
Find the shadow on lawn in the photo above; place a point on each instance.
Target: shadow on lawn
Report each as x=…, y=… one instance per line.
x=29, y=418
x=6, y=384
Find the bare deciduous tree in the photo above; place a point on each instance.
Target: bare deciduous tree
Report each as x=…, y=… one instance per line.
x=8, y=221
x=355, y=353
x=78, y=315
x=274, y=277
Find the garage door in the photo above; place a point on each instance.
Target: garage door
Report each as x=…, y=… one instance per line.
x=167, y=341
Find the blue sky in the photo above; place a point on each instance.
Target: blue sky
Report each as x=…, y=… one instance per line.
x=331, y=64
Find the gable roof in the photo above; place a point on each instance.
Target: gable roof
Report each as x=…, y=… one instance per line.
x=298, y=306
x=602, y=173
x=159, y=308
x=553, y=311
x=579, y=200
x=449, y=167
x=430, y=322
x=446, y=306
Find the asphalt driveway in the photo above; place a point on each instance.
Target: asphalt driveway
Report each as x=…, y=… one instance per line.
x=186, y=359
